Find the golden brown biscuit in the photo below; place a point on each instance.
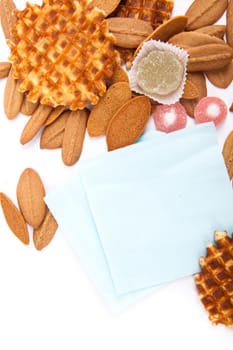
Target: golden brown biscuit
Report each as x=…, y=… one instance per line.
x=14, y=218
x=30, y=196
x=101, y=114
x=128, y=123
x=228, y=154
x=203, y=13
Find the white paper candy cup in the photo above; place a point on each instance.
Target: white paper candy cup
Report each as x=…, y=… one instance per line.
x=147, y=47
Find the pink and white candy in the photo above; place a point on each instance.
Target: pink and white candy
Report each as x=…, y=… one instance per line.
x=210, y=109
x=169, y=118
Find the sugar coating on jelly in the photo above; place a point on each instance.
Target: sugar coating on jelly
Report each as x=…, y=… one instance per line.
x=169, y=118
x=213, y=110
x=160, y=72
x=159, y=68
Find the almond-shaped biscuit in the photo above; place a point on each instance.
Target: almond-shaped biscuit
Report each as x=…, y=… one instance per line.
x=217, y=30
x=54, y=114
x=52, y=135
x=35, y=122
x=30, y=195
x=166, y=30
x=43, y=235
x=128, y=32
x=229, y=23
x=28, y=107
x=108, y=6
x=208, y=57
x=116, y=95
x=228, y=154
x=204, y=12
x=74, y=135
x=199, y=80
x=4, y=69
x=128, y=123
x=190, y=90
x=14, y=218
x=191, y=39
x=13, y=99
x=221, y=78
x=7, y=16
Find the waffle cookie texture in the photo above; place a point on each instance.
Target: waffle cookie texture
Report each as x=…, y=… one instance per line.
x=62, y=53
x=153, y=11
x=215, y=281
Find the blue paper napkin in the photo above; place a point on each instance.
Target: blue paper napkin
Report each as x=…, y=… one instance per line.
x=142, y=215
x=75, y=220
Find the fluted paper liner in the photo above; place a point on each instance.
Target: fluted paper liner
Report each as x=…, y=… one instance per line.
x=147, y=47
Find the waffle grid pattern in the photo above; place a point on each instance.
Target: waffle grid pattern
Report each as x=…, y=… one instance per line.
x=215, y=281
x=62, y=53
x=153, y=11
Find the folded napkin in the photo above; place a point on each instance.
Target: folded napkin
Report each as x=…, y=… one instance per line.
x=142, y=215
x=76, y=222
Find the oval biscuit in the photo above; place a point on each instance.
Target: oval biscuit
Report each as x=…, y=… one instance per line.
x=128, y=123
x=115, y=97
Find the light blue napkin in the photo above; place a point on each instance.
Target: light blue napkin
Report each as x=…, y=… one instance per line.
x=70, y=207
x=144, y=213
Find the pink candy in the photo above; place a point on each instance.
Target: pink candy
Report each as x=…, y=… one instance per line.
x=210, y=109
x=169, y=118
x=173, y=117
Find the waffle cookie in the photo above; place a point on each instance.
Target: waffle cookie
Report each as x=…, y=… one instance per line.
x=155, y=12
x=62, y=53
x=215, y=281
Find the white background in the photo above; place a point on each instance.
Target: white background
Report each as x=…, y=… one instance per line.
x=46, y=298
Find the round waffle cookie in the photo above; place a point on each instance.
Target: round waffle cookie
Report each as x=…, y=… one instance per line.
x=62, y=53
x=215, y=281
